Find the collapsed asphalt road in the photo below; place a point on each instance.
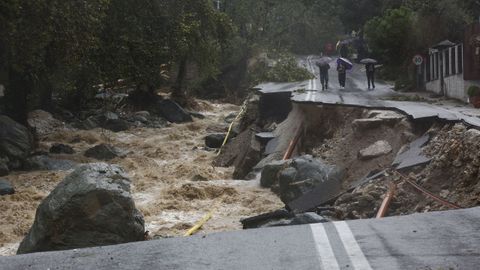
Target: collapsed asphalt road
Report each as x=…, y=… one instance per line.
x=440, y=240
x=356, y=94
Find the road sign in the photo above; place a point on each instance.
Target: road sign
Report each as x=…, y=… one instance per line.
x=417, y=60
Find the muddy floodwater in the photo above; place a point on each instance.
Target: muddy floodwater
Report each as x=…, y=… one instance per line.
x=174, y=183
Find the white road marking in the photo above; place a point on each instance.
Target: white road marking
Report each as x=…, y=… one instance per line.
x=324, y=248
x=312, y=84
x=351, y=246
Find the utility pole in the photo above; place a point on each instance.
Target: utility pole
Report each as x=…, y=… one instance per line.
x=217, y=2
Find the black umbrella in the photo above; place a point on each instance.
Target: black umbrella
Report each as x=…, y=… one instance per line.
x=323, y=61
x=367, y=61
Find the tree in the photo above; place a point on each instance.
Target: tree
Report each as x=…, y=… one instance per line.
x=134, y=43
x=198, y=33
x=390, y=35
x=41, y=41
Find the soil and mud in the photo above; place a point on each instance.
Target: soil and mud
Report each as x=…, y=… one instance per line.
x=337, y=134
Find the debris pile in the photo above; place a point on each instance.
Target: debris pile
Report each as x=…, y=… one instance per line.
x=433, y=166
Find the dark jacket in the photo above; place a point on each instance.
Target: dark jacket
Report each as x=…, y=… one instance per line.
x=324, y=68
x=370, y=68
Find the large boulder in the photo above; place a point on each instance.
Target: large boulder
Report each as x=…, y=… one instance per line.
x=6, y=188
x=92, y=206
x=16, y=142
x=304, y=174
x=173, y=112
x=43, y=122
x=104, y=152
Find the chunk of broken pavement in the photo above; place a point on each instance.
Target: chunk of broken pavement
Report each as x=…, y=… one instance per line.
x=299, y=219
x=377, y=149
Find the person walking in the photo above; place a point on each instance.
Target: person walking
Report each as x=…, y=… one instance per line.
x=324, y=67
x=342, y=73
x=370, y=68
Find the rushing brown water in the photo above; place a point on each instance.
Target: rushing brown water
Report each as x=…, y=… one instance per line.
x=174, y=183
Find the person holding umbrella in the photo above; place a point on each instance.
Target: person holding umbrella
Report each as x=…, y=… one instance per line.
x=342, y=74
x=370, y=69
x=324, y=66
x=342, y=66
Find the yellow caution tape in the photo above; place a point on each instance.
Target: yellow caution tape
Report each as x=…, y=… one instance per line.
x=199, y=224
x=244, y=106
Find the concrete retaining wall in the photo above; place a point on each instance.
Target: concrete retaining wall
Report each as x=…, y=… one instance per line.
x=455, y=87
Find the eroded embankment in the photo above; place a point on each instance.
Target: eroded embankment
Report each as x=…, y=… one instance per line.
x=340, y=136
x=174, y=183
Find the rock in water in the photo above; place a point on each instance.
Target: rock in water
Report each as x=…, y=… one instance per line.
x=103, y=152
x=46, y=163
x=377, y=149
x=215, y=140
x=59, y=148
x=116, y=125
x=15, y=141
x=92, y=206
x=6, y=188
x=173, y=112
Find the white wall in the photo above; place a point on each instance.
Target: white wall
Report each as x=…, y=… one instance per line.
x=455, y=87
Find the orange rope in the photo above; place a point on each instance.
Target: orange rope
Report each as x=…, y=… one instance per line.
x=428, y=193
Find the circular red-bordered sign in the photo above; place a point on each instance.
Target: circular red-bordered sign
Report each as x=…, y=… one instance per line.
x=417, y=60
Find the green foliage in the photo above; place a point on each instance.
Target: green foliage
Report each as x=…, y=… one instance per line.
x=283, y=69
x=389, y=35
x=300, y=26
x=473, y=91
x=411, y=29
x=43, y=44
x=49, y=46
x=355, y=13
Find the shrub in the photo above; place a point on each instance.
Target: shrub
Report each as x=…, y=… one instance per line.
x=285, y=69
x=473, y=91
